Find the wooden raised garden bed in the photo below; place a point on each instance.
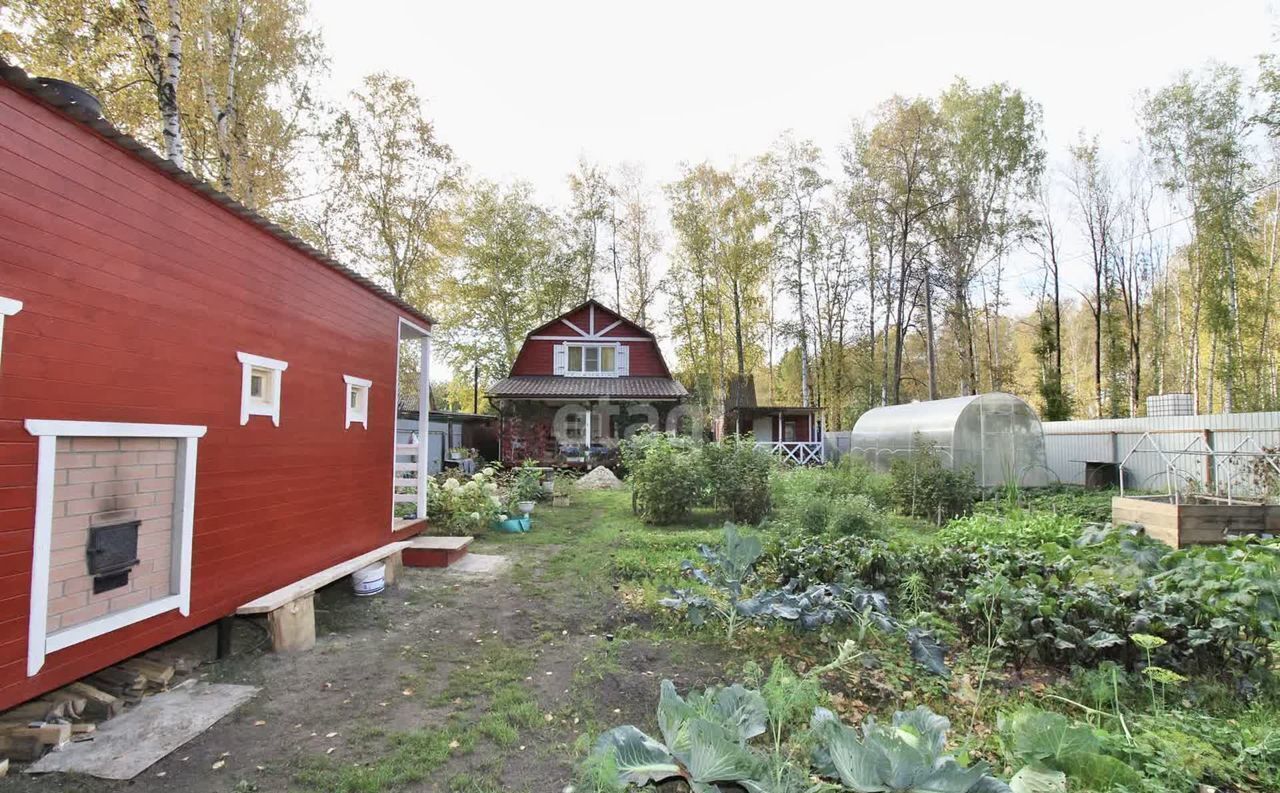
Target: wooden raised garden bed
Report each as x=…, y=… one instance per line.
x=1196, y=520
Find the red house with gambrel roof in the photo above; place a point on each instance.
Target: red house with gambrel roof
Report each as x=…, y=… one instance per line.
x=579, y=381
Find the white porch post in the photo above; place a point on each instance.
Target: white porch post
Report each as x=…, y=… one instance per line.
x=424, y=424
x=587, y=435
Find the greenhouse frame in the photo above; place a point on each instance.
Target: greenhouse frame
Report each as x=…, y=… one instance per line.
x=996, y=435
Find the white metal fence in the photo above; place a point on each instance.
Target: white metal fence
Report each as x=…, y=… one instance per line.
x=1211, y=452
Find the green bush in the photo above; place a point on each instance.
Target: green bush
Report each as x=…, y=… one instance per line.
x=854, y=516
x=845, y=498
x=737, y=474
x=925, y=488
x=666, y=476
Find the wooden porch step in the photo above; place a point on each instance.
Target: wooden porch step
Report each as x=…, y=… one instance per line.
x=435, y=551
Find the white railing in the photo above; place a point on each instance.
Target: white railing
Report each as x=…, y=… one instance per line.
x=404, y=481
x=796, y=452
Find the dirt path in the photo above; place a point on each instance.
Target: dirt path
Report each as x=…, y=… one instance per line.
x=448, y=682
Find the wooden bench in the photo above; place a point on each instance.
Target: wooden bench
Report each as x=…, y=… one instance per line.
x=435, y=551
x=290, y=610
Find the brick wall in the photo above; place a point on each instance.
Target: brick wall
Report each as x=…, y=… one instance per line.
x=101, y=481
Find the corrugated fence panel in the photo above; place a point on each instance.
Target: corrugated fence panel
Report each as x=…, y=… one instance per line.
x=1183, y=441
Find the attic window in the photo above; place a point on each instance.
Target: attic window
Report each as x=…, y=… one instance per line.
x=357, y=400
x=588, y=359
x=260, y=386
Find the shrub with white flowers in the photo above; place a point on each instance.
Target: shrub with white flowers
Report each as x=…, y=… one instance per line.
x=464, y=506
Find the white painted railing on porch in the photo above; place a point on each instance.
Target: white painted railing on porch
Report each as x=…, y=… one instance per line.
x=798, y=452
x=405, y=478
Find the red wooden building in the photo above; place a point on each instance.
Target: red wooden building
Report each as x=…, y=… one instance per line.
x=578, y=383
x=196, y=408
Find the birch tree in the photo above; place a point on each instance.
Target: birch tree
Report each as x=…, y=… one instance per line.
x=795, y=185
x=403, y=184
x=590, y=205
x=162, y=54
x=991, y=166
x=1197, y=132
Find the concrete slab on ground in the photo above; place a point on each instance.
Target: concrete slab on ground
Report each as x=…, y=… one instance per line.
x=131, y=743
x=479, y=565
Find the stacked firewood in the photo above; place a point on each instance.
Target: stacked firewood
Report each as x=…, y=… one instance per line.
x=72, y=713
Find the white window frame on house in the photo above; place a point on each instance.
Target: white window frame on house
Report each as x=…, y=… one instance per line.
x=267, y=401
x=8, y=307
x=357, y=390
x=39, y=641
x=583, y=356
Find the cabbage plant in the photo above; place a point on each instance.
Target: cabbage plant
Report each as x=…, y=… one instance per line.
x=907, y=756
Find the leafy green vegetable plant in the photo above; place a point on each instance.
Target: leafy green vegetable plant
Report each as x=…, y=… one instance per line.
x=709, y=740
x=908, y=755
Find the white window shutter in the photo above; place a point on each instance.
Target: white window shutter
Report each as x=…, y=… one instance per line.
x=560, y=359
x=622, y=359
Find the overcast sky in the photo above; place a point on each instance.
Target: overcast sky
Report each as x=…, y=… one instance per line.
x=521, y=90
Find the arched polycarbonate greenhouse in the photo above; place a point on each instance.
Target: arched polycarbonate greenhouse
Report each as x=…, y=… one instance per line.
x=997, y=436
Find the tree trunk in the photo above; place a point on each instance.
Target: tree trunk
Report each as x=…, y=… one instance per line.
x=930, y=352
x=165, y=65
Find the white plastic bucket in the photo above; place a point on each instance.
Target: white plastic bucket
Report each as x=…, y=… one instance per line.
x=369, y=580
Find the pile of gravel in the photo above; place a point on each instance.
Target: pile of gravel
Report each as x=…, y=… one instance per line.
x=600, y=478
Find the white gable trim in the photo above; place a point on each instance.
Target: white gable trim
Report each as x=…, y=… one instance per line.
x=580, y=331
x=590, y=338
x=608, y=328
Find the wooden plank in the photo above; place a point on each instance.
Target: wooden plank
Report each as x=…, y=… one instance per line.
x=274, y=600
x=98, y=703
x=406, y=467
x=405, y=498
x=441, y=543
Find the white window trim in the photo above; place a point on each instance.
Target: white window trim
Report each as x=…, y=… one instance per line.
x=584, y=345
x=39, y=641
x=247, y=408
x=8, y=307
x=352, y=416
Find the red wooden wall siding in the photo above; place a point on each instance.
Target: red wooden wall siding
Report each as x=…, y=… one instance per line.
x=137, y=293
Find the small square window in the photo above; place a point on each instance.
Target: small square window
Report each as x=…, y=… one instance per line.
x=259, y=384
x=357, y=400
x=260, y=387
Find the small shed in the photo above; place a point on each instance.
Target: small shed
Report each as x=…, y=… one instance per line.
x=996, y=435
